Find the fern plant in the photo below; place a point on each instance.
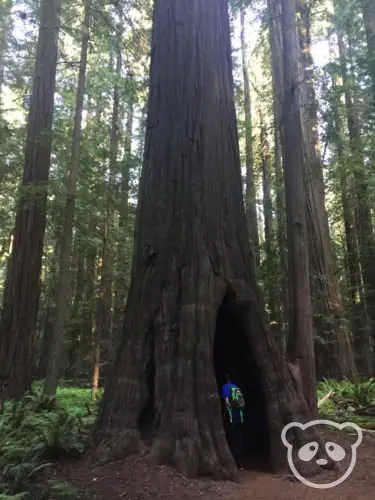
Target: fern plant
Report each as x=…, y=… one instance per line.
x=35, y=432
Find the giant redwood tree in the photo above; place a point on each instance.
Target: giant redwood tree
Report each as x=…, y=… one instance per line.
x=194, y=310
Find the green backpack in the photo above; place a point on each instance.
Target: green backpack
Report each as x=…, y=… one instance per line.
x=237, y=401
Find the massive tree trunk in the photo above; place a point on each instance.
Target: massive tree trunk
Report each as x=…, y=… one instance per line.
x=250, y=194
x=368, y=8
x=300, y=340
x=56, y=354
x=194, y=309
x=22, y=289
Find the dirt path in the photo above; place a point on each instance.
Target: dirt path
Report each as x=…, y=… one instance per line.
x=134, y=479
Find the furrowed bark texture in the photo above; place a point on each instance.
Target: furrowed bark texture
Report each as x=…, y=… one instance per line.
x=22, y=288
x=333, y=349
x=332, y=339
x=250, y=196
x=358, y=313
x=365, y=232
x=270, y=269
x=275, y=38
x=191, y=250
x=300, y=341
x=122, y=274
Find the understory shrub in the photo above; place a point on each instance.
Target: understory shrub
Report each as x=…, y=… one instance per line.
x=35, y=433
x=354, y=400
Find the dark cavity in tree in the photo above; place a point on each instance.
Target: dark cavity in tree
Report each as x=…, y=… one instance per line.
x=233, y=354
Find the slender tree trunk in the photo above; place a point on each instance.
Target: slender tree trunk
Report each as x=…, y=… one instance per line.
x=359, y=318
x=364, y=220
x=300, y=340
x=45, y=342
x=22, y=289
x=5, y=23
x=324, y=284
x=333, y=349
x=90, y=259
x=77, y=334
x=121, y=278
x=192, y=270
x=49, y=318
x=89, y=293
x=270, y=269
x=275, y=36
x=56, y=354
x=104, y=322
x=283, y=296
x=250, y=195
x=96, y=342
x=368, y=8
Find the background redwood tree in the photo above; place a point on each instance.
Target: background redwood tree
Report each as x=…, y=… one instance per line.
x=22, y=287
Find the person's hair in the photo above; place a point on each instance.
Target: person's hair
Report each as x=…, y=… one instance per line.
x=228, y=378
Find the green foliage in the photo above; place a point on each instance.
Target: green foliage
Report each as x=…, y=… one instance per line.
x=38, y=431
x=354, y=400
x=20, y=496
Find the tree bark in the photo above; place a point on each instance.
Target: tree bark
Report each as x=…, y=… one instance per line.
x=54, y=367
x=328, y=312
x=22, y=289
x=250, y=195
x=358, y=316
x=104, y=323
x=275, y=38
x=270, y=270
x=76, y=333
x=300, y=340
x=90, y=259
x=192, y=258
x=333, y=349
x=50, y=315
x=121, y=278
x=283, y=298
x=363, y=220
x=368, y=9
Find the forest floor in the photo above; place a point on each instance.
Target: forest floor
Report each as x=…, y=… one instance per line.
x=135, y=479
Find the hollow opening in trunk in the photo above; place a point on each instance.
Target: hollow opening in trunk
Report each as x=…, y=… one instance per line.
x=233, y=355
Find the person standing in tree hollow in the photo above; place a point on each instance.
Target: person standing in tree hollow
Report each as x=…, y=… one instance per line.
x=234, y=404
